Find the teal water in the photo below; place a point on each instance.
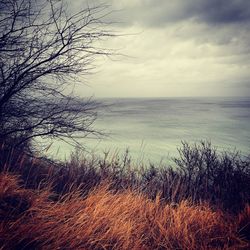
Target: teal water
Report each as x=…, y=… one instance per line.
x=152, y=128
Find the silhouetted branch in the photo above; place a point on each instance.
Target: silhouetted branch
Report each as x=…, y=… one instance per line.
x=43, y=48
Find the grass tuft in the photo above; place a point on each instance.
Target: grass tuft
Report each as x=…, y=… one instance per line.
x=200, y=202
x=105, y=219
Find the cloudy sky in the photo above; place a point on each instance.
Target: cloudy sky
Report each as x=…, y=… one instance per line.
x=175, y=48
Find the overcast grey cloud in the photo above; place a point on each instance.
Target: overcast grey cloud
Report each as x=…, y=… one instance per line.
x=175, y=48
x=160, y=12
x=224, y=11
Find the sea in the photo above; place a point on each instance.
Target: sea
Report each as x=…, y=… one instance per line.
x=152, y=129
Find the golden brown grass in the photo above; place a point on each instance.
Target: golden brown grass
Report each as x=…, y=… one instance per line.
x=244, y=223
x=199, y=174
x=105, y=219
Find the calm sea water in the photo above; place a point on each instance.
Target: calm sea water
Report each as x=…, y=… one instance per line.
x=152, y=129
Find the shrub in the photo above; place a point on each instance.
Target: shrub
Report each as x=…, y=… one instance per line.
x=105, y=219
x=200, y=173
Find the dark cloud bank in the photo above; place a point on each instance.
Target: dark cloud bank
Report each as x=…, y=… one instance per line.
x=219, y=28
x=160, y=12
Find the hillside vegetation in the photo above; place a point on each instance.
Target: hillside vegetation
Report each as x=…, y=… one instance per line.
x=201, y=202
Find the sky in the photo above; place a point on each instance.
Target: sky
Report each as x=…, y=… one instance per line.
x=174, y=48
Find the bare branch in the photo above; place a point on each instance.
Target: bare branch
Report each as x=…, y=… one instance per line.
x=43, y=48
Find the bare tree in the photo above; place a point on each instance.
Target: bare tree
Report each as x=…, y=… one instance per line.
x=43, y=48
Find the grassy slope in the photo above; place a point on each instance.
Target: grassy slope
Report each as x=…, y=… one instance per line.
x=104, y=205
x=108, y=220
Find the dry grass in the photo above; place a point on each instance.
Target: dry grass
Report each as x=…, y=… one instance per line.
x=244, y=223
x=102, y=204
x=200, y=173
x=105, y=219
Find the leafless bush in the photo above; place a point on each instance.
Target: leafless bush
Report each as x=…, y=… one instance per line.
x=43, y=49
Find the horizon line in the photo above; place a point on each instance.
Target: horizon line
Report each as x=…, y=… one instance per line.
x=161, y=97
